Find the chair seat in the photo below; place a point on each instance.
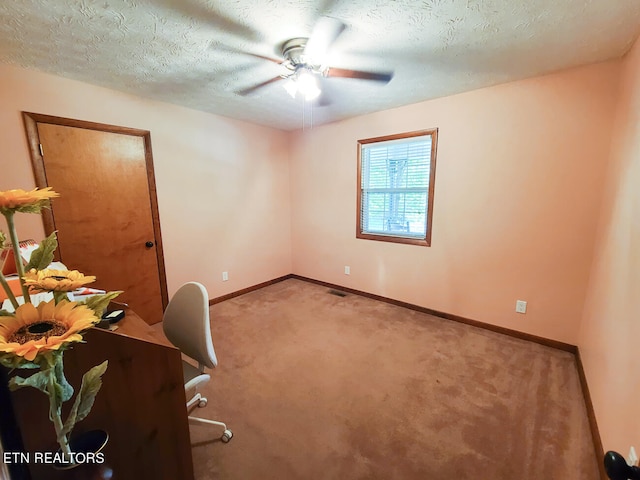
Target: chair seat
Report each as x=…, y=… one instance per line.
x=192, y=376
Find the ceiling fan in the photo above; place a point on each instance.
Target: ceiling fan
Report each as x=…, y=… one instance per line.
x=303, y=59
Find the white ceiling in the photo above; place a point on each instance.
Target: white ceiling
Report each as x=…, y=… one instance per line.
x=186, y=51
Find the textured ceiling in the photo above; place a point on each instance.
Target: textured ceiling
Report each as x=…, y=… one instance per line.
x=187, y=52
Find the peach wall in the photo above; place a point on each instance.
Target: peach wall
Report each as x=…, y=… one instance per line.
x=609, y=338
x=518, y=185
x=223, y=185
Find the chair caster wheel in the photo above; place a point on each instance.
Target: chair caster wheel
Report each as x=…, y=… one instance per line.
x=202, y=403
x=226, y=436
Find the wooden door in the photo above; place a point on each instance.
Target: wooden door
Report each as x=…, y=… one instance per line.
x=106, y=215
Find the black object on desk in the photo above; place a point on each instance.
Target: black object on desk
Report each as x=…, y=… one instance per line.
x=109, y=318
x=114, y=316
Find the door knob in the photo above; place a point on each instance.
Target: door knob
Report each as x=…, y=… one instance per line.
x=148, y=244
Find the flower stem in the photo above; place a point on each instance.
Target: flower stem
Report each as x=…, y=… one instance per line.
x=7, y=289
x=59, y=296
x=54, y=414
x=15, y=243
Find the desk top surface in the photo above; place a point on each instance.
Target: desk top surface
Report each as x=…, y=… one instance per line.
x=134, y=326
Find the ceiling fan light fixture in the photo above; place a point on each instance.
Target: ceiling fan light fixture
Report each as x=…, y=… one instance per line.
x=307, y=85
x=312, y=95
x=303, y=82
x=291, y=87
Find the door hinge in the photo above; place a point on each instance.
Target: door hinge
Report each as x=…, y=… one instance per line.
x=41, y=150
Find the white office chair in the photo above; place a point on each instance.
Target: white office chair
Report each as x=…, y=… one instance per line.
x=186, y=324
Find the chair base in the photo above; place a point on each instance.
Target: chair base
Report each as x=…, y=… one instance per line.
x=227, y=435
x=199, y=399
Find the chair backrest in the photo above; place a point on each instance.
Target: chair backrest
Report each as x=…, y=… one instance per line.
x=186, y=323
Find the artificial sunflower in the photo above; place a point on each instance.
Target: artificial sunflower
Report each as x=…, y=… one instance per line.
x=43, y=329
x=19, y=200
x=50, y=280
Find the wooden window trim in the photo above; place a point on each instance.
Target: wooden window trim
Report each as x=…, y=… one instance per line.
x=426, y=242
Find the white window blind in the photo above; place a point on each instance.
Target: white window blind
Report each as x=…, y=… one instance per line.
x=395, y=187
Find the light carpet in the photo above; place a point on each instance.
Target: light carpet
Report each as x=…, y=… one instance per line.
x=316, y=386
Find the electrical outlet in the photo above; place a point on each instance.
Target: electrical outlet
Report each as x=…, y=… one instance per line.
x=633, y=458
x=347, y=270
x=225, y=276
x=521, y=306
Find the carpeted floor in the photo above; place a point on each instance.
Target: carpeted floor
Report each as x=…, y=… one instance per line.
x=316, y=386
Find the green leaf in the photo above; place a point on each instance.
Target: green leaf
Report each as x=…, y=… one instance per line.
x=4, y=313
x=46, y=381
x=65, y=387
x=12, y=361
x=42, y=256
x=39, y=380
x=91, y=383
x=98, y=303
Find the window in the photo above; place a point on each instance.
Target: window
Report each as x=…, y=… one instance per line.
x=396, y=175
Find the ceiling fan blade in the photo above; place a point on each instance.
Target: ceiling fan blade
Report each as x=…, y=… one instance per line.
x=231, y=49
x=250, y=90
x=325, y=32
x=345, y=73
x=270, y=59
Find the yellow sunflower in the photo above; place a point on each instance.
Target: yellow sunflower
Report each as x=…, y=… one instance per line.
x=50, y=280
x=19, y=200
x=43, y=329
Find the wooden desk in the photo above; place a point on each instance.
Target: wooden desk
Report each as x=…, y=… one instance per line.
x=134, y=326
x=141, y=405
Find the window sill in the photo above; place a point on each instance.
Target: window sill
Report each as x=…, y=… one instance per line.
x=424, y=242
